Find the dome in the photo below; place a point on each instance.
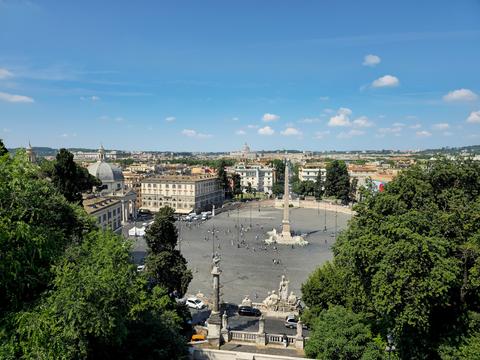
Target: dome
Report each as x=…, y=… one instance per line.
x=106, y=172
x=246, y=148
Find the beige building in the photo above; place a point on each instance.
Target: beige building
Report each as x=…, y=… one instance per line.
x=183, y=193
x=260, y=177
x=107, y=212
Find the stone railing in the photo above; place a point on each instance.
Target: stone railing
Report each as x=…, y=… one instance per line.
x=278, y=339
x=243, y=336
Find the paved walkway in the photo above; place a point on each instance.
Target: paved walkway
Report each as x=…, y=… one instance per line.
x=263, y=350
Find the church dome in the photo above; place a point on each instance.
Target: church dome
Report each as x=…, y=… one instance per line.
x=106, y=172
x=246, y=149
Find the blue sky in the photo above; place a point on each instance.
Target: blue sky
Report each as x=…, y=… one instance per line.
x=211, y=75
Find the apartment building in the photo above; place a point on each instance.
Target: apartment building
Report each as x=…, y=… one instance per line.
x=183, y=193
x=259, y=176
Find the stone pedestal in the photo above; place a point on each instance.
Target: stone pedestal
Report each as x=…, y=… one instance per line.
x=214, y=327
x=299, y=340
x=261, y=337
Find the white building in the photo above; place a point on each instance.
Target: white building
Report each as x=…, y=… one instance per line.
x=183, y=193
x=113, y=185
x=310, y=172
x=107, y=211
x=259, y=176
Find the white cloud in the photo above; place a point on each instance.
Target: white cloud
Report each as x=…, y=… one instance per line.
x=324, y=98
x=309, y=120
x=321, y=134
x=267, y=130
x=170, y=118
x=415, y=126
x=460, y=95
x=474, y=117
x=15, y=98
x=386, y=81
x=252, y=126
x=362, y=121
x=371, y=60
x=4, y=73
x=441, y=126
x=398, y=124
x=240, y=132
x=270, y=117
x=341, y=118
x=291, y=131
x=411, y=117
x=390, y=130
x=328, y=111
x=423, y=133
x=235, y=119
x=91, y=98
x=195, y=134
x=349, y=134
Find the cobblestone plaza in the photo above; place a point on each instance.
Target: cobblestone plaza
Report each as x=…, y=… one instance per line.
x=250, y=267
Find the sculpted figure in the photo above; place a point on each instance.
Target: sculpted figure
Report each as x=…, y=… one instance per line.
x=246, y=301
x=283, y=289
x=292, y=298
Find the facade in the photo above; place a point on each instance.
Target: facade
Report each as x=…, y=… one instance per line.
x=260, y=177
x=32, y=157
x=107, y=212
x=183, y=193
x=113, y=185
x=310, y=172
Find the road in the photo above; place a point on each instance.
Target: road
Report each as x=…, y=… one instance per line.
x=246, y=323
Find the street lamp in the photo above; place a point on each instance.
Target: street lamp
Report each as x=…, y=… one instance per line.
x=325, y=226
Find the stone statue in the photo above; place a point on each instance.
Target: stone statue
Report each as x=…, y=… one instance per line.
x=215, y=264
x=246, y=301
x=292, y=298
x=271, y=302
x=283, y=289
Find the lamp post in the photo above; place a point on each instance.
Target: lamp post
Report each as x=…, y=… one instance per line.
x=325, y=211
x=213, y=239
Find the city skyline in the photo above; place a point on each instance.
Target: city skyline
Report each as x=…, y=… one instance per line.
x=211, y=76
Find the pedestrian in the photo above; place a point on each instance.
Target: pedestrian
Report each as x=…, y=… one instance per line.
x=285, y=340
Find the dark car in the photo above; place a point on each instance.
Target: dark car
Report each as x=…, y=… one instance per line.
x=248, y=311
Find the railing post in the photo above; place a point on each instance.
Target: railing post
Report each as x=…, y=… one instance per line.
x=299, y=341
x=261, y=338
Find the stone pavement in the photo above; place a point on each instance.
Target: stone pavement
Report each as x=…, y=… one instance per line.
x=250, y=268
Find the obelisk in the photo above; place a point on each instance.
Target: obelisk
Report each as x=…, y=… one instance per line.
x=286, y=203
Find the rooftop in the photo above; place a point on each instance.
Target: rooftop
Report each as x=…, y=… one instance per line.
x=180, y=178
x=96, y=203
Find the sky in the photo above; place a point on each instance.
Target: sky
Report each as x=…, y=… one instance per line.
x=211, y=75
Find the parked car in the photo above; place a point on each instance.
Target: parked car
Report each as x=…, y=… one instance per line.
x=291, y=322
x=140, y=268
x=248, y=311
x=195, y=303
x=198, y=337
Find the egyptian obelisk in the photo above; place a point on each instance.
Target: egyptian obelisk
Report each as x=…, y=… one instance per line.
x=286, y=233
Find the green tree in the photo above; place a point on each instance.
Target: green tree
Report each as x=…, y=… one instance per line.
x=3, y=149
x=97, y=308
x=36, y=226
x=69, y=178
x=337, y=182
x=319, y=186
x=236, y=184
x=162, y=234
x=339, y=333
x=410, y=258
x=222, y=175
x=166, y=266
x=279, y=166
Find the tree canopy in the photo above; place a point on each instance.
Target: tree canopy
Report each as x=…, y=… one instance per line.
x=69, y=290
x=69, y=178
x=165, y=265
x=3, y=149
x=409, y=261
x=337, y=182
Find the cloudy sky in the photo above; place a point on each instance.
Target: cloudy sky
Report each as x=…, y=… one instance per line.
x=211, y=75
